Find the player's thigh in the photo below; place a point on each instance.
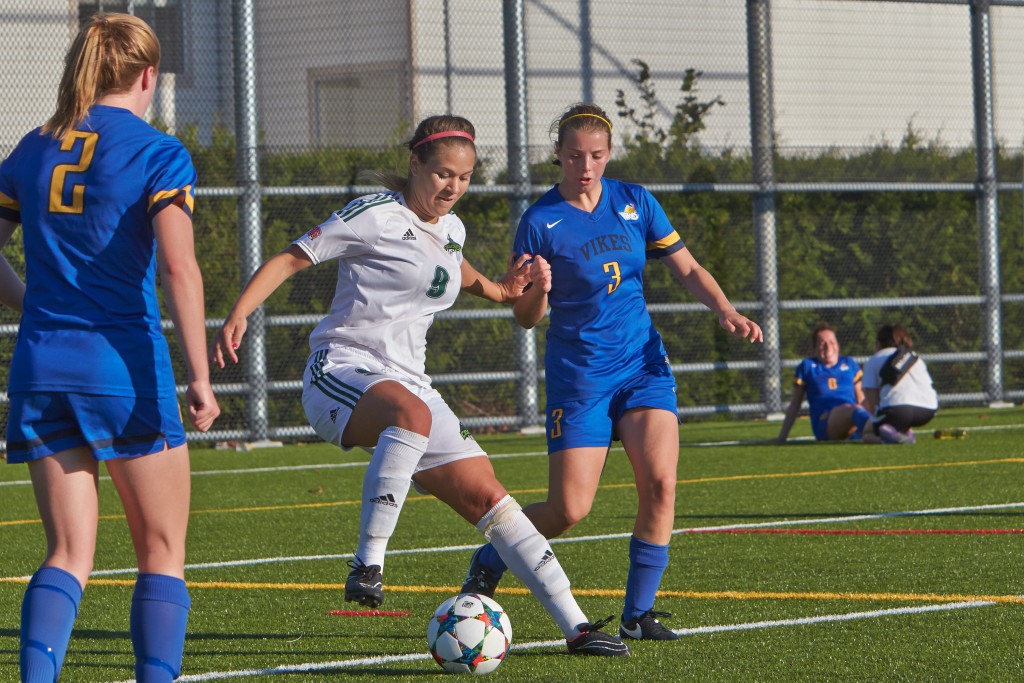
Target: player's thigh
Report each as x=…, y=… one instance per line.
x=466, y=485
x=840, y=422
x=651, y=439
x=350, y=398
x=65, y=487
x=155, y=491
x=573, y=478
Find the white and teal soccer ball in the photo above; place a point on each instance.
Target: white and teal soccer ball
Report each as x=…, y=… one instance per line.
x=469, y=633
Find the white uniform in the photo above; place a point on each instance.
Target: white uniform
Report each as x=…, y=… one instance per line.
x=395, y=272
x=914, y=389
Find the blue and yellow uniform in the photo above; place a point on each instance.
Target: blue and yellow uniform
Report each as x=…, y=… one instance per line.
x=827, y=388
x=603, y=354
x=91, y=320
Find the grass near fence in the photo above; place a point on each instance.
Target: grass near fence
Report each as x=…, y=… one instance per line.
x=804, y=562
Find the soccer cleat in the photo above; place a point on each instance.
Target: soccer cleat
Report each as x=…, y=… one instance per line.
x=889, y=434
x=365, y=584
x=647, y=627
x=592, y=641
x=480, y=579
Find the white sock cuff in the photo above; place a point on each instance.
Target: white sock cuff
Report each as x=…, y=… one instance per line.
x=405, y=437
x=491, y=517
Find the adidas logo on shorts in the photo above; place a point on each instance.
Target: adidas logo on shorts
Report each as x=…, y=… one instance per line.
x=386, y=499
x=409, y=235
x=334, y=414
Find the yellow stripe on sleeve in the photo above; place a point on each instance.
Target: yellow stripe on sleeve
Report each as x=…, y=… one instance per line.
x=9, y=203
x=665, y=242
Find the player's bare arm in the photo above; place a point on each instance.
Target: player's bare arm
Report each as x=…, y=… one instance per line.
x=263, y=283
x=183, y=289
x=12, y=289
x=703, y=285
x=507, y=289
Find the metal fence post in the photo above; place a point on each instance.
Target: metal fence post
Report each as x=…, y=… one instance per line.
x=250, y=228
x=987, y=199
x=762, y=143
x=516, y=121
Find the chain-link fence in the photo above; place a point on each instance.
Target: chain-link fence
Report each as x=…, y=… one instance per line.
x=848, y=161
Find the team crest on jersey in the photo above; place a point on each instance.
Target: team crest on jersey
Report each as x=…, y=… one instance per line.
x=452, y=246
x=314, y=233
x=464, y=433
x=629, y=213
x=844, y=367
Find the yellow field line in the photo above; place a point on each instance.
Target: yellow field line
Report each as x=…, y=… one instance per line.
x=702, y=480
x=595, y=592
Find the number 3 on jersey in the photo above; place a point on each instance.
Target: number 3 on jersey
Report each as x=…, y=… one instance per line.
x=59, y=177
x=613, y=268
x=440, y=283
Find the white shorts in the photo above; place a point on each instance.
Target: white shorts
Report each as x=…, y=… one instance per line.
x=337, y=377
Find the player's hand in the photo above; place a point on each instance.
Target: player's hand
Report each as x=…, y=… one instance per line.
x=740, y=326
x=540, y=274
x=228, y=339
x=516, y=278
x=202, y=405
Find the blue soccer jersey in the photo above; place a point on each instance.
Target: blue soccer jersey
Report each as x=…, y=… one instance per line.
x=828, y=387
x=91, y=319
x=600, y=333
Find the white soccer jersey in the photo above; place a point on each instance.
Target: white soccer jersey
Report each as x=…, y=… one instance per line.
x=915, y=389
x=394, y=273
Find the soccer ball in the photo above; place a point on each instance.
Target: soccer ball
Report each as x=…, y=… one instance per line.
x=469, y=633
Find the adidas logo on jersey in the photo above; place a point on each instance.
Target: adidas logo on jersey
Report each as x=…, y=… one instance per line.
x=408, y=235
x=548, y=557
x=386, y=499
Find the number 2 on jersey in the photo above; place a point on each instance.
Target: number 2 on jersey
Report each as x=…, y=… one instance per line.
x=613, y=268
x=60, y=172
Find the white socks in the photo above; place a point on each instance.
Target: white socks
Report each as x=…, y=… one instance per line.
x=528, y=554
x=385, y=487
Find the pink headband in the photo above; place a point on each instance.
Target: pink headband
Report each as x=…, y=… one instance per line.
x=445, y=134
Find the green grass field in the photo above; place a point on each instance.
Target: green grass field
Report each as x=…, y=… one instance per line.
x=817, y=562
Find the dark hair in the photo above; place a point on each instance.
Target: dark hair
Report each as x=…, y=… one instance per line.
x=583, y=117
x=462, y=133
x=820, y=327
x=893, y=335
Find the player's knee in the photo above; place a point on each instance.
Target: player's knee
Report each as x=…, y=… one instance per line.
x=414, y=416
x=565, y=517
x=503, y=512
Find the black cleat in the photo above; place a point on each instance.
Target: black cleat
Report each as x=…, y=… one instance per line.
x=647, y=627
x=480, y=579
x=364, y=584
x=592, y=641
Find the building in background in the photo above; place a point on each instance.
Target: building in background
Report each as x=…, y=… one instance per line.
x=355, y=72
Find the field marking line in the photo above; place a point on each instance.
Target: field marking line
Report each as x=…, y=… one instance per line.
x=941, y=598
x=492, y=456
x=701, y=480
x=516, y=647
x=574, y=539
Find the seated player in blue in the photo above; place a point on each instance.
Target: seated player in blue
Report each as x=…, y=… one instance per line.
x=832, y=385
x=104, y=199
x=608, y=376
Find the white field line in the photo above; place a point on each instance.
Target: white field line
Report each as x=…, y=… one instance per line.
x=361, y=463
x=290, y=468
x=699, y=630
x=582, y=539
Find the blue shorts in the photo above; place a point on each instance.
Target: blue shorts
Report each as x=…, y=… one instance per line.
x=592, y=421
x=43, y=423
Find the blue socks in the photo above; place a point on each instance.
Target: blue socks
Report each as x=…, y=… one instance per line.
x=159, y=614
x=860, y=418
x=647, y=563
x=48, y=613
x=490, y=558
